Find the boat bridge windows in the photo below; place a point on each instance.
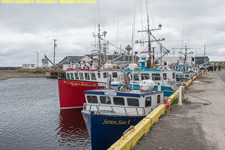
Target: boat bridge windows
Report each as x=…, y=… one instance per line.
x=114, y=100
x=132, y=102
x=105, y=99
x=93, y=77
x=68, y=76
x=114, y=74
x=87, y=77
x=118, y=101
x=81, y=76
x=71, y=74
x=148, y=101
x=145, y=76
x=155, y=76
x=164, y=76
x=135, y=76
x=76, y=76
x=92, y=99
x=105, y=75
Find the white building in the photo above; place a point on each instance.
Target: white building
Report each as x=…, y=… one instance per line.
x=29, y=66
x=45, y=63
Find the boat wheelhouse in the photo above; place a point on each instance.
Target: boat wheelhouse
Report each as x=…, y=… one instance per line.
x=166, y=79
x=109, y=113
x=184, y=72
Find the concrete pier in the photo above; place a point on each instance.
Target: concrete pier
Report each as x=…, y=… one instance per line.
x=199, y=124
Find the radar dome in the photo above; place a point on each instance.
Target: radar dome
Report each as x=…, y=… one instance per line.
x=146, y=85
x=132, y=66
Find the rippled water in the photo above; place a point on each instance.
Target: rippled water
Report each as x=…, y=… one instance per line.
x=30, y=117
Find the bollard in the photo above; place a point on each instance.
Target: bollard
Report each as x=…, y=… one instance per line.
x=180, y=95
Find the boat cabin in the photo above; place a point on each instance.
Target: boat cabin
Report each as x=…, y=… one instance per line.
x=92, y=75
x=122, y=103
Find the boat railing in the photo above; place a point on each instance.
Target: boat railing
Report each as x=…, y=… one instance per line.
x=114, y=109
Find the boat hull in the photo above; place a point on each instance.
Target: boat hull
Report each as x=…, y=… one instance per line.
x=104, y=130
x=71, y=92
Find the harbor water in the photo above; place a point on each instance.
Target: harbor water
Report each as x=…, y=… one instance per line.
x=30, y=117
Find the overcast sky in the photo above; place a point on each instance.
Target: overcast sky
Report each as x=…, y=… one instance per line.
x=26, y=28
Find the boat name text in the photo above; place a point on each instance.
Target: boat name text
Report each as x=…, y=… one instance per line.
x=119, y=122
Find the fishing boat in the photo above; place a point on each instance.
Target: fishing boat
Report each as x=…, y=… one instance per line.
x=184, y=72
x=71, y=89
x=79, y=79
x=109, y=113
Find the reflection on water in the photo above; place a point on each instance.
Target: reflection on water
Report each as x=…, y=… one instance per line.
x=30, y=117
x=72, y=131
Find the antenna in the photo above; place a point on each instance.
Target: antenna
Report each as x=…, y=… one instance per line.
x=98, y=13
x=133, y=35
x=117, y=29
x=141, y=20
x=95, y=31
x=182, y=36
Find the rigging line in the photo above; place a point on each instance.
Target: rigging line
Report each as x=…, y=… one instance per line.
x=117, y=29
x=113, y=45
x=182, y=36
x=209, y=103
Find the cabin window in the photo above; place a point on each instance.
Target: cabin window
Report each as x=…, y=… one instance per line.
x=92, y=99
x=173, y=75
x=105, y=75
x=71, y=74
x=81, y=76
x=158, y=99
x=136, y=77
x=118, y=101
x=93, y=77
x=144, y=76
x=155, y=76
x=99, y=75
x=132, y=102
x=87, y=77
x=68, y=76
x=148, y=101
x=76, y=76
x=114, y=74
x=186, y=76
x=164, y=76
x=105, y=99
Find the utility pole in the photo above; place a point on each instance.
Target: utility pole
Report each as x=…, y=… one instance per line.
x=37, y=59
x=54, y=49
x=204, y=53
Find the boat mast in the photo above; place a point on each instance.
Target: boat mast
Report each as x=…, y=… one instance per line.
x=149, y=38
x=99, y=47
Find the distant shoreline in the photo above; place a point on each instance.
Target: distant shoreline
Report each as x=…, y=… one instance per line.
x=7, y=74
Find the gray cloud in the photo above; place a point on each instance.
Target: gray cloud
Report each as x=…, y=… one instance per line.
x=25, y=28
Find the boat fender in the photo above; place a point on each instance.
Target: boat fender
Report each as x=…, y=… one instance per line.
x=185, y=86
x=167, y=105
